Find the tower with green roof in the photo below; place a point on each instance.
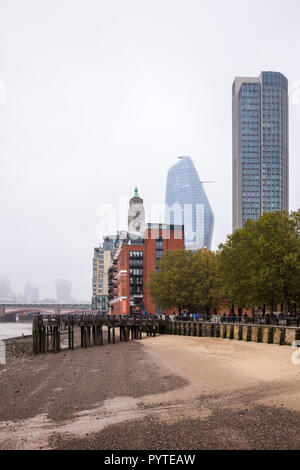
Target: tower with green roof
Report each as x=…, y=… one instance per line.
x=136, y=214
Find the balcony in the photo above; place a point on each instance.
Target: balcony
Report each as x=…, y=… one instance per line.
x=136, y=264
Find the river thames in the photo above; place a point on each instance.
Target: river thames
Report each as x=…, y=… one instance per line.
x=13, y=330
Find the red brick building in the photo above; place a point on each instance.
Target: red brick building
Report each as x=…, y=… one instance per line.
x=134, y=260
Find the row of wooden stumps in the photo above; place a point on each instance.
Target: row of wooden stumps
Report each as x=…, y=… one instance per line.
x=183, y=328
x=280, y=335
x=91, y=335
x=151, y=329
x=46, y=338
x=48, y=331
x=130, y=332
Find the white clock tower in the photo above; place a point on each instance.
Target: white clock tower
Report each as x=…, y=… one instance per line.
x=136, y=214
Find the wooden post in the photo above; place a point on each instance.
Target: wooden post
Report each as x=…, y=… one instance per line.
x=43, y=339
x=53, y=338
x=69, y=337
x=82, y=336
x=88, y=337
x=35, y=337
x=72, y=336
x=47, y=338
x=50, y=341
x=57, y=338
x=282, y=336
x=86, y=330
x=96, y=335
x=99, y=335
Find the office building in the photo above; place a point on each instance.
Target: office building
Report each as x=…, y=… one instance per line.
x=101, y=263
x=133, y=262
x=260, y=146
x=188, y=205
x=31, y=293
x=63, y=291
x=5, y=289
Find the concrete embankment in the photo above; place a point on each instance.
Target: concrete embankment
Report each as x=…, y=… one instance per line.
x=270, y=334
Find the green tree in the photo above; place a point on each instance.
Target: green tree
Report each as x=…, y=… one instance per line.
x=234, y=270
x=186, y=280
x=259, y=264
x=170, y=287
x=205, y=280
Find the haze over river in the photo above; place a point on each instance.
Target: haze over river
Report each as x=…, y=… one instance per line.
x=15, y=329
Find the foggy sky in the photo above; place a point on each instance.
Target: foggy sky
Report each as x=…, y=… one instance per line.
x=102, y=96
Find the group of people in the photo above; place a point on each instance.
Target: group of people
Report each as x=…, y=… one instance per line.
x=268, y=318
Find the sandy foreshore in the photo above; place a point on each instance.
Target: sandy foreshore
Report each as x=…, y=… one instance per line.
x=165, y=393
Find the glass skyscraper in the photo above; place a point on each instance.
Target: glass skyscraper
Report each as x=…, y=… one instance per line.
x=260, y=157
x=187, y=204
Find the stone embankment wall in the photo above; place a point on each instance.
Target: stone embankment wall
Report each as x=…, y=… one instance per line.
x=242, y=332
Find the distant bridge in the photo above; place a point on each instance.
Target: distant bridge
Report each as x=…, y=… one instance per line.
x=36, y=305
x=10, y=311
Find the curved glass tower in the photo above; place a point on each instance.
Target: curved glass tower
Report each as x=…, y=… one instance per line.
x=187, y=204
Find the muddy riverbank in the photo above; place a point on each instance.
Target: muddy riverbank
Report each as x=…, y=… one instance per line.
x=159, y=393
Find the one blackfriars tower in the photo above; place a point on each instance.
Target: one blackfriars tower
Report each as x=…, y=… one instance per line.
x=260, y=146
x=188, y=205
